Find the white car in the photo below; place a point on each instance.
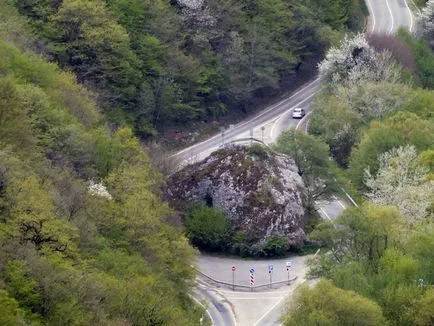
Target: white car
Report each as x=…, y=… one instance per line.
x=298, y=113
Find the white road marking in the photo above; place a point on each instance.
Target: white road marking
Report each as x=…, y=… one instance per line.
x=391, y=16
x=284, y=113
x=269, y=310
x=342, y=205
x=274, y=306
x=206, y=309
x=411, y=15
x=254, y=294
x=305, y=87
x=299, y=123
x=254, y=298
x=324, y=212
x=373, y=16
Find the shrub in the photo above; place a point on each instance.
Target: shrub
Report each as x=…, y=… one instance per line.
x=208, y=228
x=275, y=246
x=259, y=151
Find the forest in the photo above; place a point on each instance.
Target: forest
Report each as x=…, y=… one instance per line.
x=85, y=238
x=156, y=64
x=375, y=112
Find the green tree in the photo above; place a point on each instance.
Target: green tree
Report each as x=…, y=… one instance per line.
x=208, y=228
x=337, y=125
x=325, y=304
x=11, y=314
x=361, y=234
x=311, y=155
x=13, y=113
x=401, y=129
x=425, y=313
x=88, y=39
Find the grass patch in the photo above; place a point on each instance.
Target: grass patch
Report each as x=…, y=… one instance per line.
x=259, y=151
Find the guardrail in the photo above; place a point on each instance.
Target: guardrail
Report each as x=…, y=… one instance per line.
x=245, y=139
x=241, y=287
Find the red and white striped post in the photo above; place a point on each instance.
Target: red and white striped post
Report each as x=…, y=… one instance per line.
x=252, y=279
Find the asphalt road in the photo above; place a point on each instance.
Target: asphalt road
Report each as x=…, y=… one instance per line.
x=386, y=17
x=389, y=15
x=300, y=98
x=220, y=269
x=218, y=308
x=253, y=308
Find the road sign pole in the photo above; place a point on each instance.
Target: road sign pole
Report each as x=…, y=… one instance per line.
x=288, y=265
x=287, y=269
x=270, y=278
x=233, y=278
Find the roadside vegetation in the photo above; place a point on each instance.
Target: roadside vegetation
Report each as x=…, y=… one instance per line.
x=210, y=230
x=84, y=238
x=375, y=112
x=156, y=63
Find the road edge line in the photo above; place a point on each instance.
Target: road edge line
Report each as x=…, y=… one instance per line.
x=301, y=121
x=371, y=13
x=391, y=15
x=206, y=309
x=260, y=114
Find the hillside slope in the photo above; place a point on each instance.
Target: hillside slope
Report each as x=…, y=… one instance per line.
x=83, y=234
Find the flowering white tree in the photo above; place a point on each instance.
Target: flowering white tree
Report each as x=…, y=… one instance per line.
x=373, y=100
x=427, y=21
x=403, y=183
x=354, y=61
x=98, y=189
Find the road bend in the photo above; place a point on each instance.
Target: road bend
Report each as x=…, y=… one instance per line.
x=386, y=17
x=218, y=308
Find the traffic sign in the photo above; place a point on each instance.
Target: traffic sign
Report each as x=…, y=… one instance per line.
x=252, y=270
x=288, y=263
x=270, y=268
x=233, y=268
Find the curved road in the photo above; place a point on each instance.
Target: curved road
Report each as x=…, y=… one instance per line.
x=389, y=15
x=303, y=97
x=386, y=16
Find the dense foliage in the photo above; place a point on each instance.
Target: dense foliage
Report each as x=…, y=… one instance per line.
x=155, y=62
x=210, y=230
x=380, y=255
x=327, y=305
x=83, y=234
x=311, y=155
x=375, y=253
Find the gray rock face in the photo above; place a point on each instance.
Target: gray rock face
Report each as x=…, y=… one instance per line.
x=260, y=191
x=192, y=4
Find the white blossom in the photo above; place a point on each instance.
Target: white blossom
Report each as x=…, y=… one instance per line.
x=427, y=20
x=98, y=189
x=401, y=182
x=371, y=100
x=355, y=61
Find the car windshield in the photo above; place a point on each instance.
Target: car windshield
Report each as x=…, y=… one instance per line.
x=297, y=110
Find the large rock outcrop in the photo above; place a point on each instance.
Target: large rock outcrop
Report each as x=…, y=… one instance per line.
x=260, y=191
